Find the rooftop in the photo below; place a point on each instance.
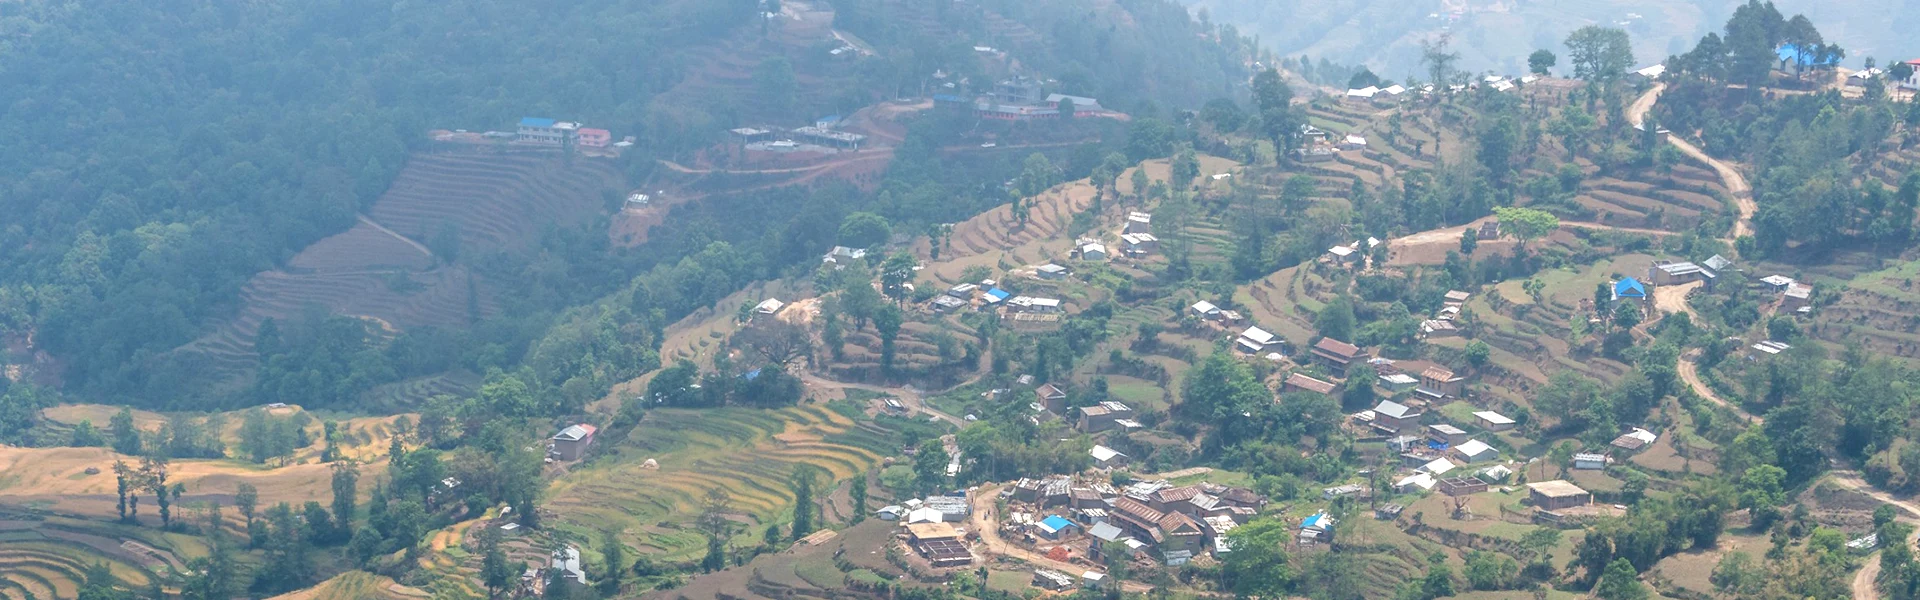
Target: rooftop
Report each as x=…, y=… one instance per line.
x=1337, y=347
x=576, y=433
x=1558, y=488
x=1493, y=417
x=1310, y=384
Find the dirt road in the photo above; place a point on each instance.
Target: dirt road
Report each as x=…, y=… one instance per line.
x=1736, y=183
x=1672, y=299
x=1690, y=373
x=1863, y=580
x=909, y=397
x=985, y=521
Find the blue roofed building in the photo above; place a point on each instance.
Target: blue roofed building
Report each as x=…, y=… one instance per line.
x=1810, y=56
x=1628, y=288
x=1054, y=527
x=997, y=295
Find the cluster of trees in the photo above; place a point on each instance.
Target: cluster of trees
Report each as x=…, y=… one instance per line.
x=1750, y=50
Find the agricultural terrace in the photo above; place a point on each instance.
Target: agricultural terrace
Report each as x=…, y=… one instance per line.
x=48, y=556
x=749, y=454
x=364, y=439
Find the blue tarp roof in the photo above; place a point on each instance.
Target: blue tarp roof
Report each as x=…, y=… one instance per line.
x=1314, y=520
x=998, y=294
x=536, y=122
x=1629, y=287
x=1056, y=522
x=752, y=375
x=1793, y=54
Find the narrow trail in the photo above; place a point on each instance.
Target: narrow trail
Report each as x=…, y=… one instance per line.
x=396, y=235
x=1736, y=183
x=1690, y=373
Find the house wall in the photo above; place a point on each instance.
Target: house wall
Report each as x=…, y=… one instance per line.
x=571, y=450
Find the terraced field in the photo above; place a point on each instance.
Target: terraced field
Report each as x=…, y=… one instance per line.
x=381, y=271
x=1879, y=310
x=48, y=557
x=748, y=453
x=361, y=438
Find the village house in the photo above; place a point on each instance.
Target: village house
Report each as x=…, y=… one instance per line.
x=1556, y=495
x=1913, y=81
x=1398, y=383
x=1093, y=251
x=1797, y=297
x=1473, y=451
x=1336, y=354
x=940, y=544
x=1107, y=458
x=1628, y=289
x=571, y=443
x=1300, y=382
x=1446, y=434
x=768, y=306
x=1139, y=244
x=1417, y=481
x=1050, y=271
x=1138, y=222
x=1456, y=297
x=1439, y=384
x=1678, y=273
x=1438, y=328
x=1255, y=340
x=1181, y=533
x=544, y=131
x=592, y=137
x=842, y=254
x=1396, y=417
x=1353, y=142
x=1634, y=440
x=1054, y=527
x=1768, y=348
x=1316, y=529
x=1204, y=310
x=1588, y=461
x=1492, y=421
x=1030, y=304
x=1104, y=416
x=1052, y=397
x=1316, y=154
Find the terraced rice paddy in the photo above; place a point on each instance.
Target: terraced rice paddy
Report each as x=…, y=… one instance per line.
x=750, y=454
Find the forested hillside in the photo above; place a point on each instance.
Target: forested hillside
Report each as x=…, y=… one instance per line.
x=160, y=156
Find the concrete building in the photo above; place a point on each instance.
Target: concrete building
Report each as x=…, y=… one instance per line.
x=1439, y=384
x=1256, y=340
x=1473, y=451
x=1461, y=486
x=1493, y=421
x=1139, y=244
x=571, y=443
x=1395, y=416
x=544, y=131
x=1107, y=458
x=1103, y=416
x=1050, y=271
x=1557, y=494
x=1139, y=222
x=591, y=137
x=1588, y=461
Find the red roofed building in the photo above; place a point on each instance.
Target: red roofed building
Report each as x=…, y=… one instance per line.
x=594, y=138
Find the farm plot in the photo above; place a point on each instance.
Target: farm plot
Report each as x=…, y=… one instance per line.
x=360, y=438
x=748, y=454
x=49, y=557
x=56, y=479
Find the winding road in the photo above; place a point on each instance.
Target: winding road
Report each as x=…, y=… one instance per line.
x=1863, y=580
x=1736, y=183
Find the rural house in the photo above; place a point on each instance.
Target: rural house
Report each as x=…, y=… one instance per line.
x=768, y=306
x=1050, y=271
x=1138, y=222
x=1103, y=416
x=571, y=443
x=1255, y=340
x=1446, y=434
x=1439, y=383
x=1634, y=440
x=566, y=568
x=1138, y=244
x=1205, y=310
x=1474, y=451
x=1300, y=382
x=1336, y=354
x=1395, y=416
x=1677, y=273
x=1493, y=421
x=1107, y=458
x=1053, y=398
x=1628, y=289
x=1588, y=461
x=591, y=137
x=1557, y=494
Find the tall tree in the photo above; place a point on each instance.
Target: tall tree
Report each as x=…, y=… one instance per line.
x=1599, y=54
x=802, y=484
x=1279, y=121
x=1259, y=566
x=614, y=554
x=1437, y=54
x=857, y=493
x=1542, y=61
x=346, y=478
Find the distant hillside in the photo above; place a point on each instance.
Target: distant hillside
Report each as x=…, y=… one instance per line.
x=1498, y=34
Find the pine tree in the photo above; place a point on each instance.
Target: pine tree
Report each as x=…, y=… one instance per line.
x=802, y=502
x=858, y=494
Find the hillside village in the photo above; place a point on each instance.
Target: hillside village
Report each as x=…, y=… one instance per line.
x=986, y=325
